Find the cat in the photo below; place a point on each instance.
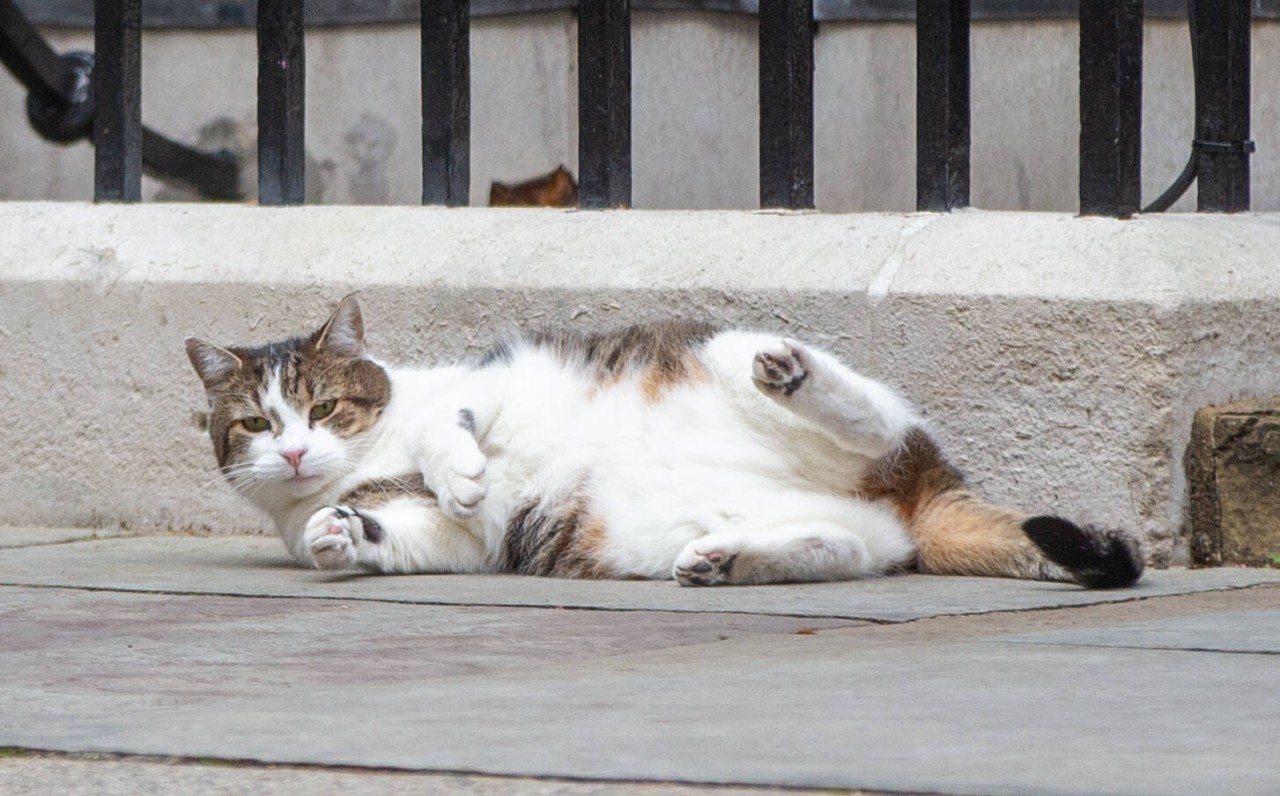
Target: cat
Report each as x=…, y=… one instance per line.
x=672, y=450
x=556, y=188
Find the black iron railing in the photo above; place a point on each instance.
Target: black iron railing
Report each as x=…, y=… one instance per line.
x=71, y=97
x=942, y=105
x=604, y=103
x=1110, y=99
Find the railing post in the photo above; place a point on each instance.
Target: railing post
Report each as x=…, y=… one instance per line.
x=1110, y=107
x=786, y=103
x=942, y=104
x=446, y=102
x=117, y=88
x=1222, y=28
x=604, y=103
x=281, y=100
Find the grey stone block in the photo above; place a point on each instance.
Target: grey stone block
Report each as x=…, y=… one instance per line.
x=1233, y=477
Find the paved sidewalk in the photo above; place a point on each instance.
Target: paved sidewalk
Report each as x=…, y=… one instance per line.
x=214, y=649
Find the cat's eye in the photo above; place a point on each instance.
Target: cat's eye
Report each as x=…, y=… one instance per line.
x=323, y=409
x=255, y=425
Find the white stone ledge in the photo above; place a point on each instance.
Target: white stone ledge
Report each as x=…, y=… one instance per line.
x=1060, y=358
x=1158, y=259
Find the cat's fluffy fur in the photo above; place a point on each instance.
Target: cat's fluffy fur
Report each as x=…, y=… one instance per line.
x=672, y=450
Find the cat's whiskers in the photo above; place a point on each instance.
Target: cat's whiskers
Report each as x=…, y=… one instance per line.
x=247, y=477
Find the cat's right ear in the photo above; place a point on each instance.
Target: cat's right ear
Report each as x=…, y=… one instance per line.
x=213, y=363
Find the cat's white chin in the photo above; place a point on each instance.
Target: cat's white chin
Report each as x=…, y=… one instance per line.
x=304, y=485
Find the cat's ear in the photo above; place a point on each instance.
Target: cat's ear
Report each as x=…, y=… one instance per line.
x=343, y=333
x=213, y=363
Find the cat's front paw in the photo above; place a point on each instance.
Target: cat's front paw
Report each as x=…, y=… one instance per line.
x=699, y=565
x=464, y=485
x=331, y=536
x=780, y=369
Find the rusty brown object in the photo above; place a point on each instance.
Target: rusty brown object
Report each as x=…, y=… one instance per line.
x=556, y=188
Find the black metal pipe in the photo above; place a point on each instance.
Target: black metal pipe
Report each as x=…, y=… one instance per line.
x=1110, y=107
x=281, y=103
x=1222, y=66
x=604, y=104
x=446, y=102
x=28, y=57
x=117, y=92
x=942, y=104
x=786, y=103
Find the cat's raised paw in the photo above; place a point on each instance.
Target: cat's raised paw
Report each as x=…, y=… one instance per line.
x=454, y=468
x=703, y=568
x=465, y=486
x=331, y=536
x=780, y=369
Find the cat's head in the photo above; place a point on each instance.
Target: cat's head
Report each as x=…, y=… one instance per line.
x=288, y=418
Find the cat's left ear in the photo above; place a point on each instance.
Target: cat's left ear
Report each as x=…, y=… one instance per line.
x=343, y=333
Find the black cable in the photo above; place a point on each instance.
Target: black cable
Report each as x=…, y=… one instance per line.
x=1175, y=191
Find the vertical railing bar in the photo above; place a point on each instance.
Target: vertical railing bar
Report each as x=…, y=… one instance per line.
x=1222, y=142
x=281, y=103
x=786, y=103
x=604, y=103
x=117, y=86
x=1110, y=107
x=446, y=102
x=942, y=104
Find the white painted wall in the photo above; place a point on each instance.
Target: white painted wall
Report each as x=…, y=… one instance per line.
x=695, y=117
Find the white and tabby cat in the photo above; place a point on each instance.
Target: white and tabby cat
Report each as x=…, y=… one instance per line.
x=672, y=450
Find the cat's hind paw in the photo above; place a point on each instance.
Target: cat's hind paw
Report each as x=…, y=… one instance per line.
x=331, y=536
x=780, y=369
x=703, y=567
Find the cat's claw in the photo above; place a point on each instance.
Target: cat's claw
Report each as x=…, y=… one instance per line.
x=781, y=369
x=331, y=536
x=703, y=568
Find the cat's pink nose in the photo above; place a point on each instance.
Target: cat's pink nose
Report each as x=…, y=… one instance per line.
x=294, y=457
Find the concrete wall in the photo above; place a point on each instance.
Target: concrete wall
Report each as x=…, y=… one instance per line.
x=695, y=116
x=1060, y=359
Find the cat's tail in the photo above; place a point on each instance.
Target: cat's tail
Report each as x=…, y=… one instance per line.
x=957, y=533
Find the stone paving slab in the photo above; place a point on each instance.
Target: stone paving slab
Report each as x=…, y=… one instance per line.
x=845, y=710
x=247, y=565
x=176, y=647
x=255, y=660
x=27, y=537
x=27, y=775
x=1246, y=631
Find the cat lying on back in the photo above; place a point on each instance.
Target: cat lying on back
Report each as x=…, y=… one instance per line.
x=672, y=450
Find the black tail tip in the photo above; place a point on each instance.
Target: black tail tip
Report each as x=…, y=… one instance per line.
x=1096, y=559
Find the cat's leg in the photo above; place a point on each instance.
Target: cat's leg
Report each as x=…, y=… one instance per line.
x=808, y=389
x=856, y=412
x=452, y=464
x=402, y=534
x=815, y=544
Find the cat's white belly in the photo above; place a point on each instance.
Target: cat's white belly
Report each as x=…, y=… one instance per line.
x=699, y=462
